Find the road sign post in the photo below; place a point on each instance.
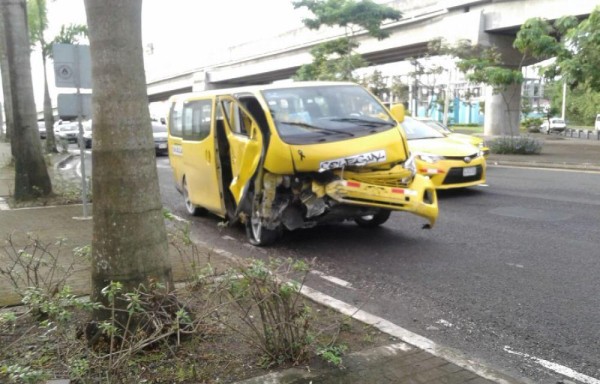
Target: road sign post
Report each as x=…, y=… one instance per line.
x=72, y=69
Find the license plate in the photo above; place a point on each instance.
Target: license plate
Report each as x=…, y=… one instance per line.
x=469, y=171
x=162, y=146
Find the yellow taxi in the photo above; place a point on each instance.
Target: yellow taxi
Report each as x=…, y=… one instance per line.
x=469, y=139
x=448, y=162
x=291, y=156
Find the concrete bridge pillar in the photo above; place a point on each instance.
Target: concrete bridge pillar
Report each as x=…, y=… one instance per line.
x=503, y=108
x=201, y=82
x=502, y=111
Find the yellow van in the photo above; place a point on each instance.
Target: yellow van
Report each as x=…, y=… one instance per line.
x=292, y=156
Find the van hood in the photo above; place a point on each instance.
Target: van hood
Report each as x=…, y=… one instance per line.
x=373, y=150
x=442, y=146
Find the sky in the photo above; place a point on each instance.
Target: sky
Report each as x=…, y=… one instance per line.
x=181, y=34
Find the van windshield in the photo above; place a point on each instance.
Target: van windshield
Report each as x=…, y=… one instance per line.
x=326, y=113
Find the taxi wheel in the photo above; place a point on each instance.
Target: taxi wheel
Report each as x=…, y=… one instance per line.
x=189, y=206
x=375, y=220
x=257, y=234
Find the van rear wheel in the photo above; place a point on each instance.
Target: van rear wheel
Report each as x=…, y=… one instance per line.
x=374, y=220
x=190, y=208
x=255, y=231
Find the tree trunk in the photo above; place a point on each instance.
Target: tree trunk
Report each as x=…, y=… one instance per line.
x=5, y=79
x=31, y=174
x=129, y=237
x=48, y=115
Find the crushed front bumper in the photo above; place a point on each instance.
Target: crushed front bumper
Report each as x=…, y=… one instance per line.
x=418, y=197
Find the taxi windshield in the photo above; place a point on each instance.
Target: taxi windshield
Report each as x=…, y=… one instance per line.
x=416, y=130
x=325, y=113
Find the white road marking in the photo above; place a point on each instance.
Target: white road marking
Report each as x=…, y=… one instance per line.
x=334, y=280
x=483, y=185
x=227, y=237
x=3, y=205
x=453, y=356
x=565, y=371
x=515, y=265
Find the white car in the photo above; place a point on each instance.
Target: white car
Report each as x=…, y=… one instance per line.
x=553, y=124
x=67, y=132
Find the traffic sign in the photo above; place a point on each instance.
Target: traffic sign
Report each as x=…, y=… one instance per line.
x=72, y=66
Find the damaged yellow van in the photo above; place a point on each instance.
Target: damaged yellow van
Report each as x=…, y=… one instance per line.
x=292, y=156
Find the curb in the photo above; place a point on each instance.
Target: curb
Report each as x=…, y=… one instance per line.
x=407, y=339
x=532, y=164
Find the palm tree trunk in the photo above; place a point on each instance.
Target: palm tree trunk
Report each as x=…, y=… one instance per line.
x=48, y=115
x=5, y=80
x=129, y=237
x=31, y=174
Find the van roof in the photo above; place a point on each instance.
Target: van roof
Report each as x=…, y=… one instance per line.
x=256, y=88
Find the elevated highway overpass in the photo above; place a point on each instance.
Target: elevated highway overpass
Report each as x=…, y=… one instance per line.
x=485, y=22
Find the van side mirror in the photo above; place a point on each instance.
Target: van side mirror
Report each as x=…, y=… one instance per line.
x=398, y=112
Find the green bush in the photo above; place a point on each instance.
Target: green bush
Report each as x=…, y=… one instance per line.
x=520, y=145
x=532, y=124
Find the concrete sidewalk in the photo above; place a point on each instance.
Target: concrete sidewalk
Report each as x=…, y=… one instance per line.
x=414, y=360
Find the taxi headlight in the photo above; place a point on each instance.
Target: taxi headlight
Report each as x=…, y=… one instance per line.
x=429, y=157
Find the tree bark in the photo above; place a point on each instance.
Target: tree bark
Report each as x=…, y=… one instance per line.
x=31, y=174
x=129, y=237
x=5, y=79
x=48, y=115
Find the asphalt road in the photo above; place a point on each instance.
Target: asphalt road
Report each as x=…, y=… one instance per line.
x=510, y=274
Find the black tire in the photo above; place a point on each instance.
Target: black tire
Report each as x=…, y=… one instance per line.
x=257, y=234
x=190, y=208
x=375, y=220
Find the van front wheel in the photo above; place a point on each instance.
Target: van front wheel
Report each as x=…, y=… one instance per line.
x=255, y=231
x=375, y=220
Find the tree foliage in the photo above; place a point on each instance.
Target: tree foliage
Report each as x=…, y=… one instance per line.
x=337, y=59
x=333, y=60
x=364, y=14
x=376, y=83
x=37, y=20
x=582, y=103
x=70, y=34
x=482, y=65
x=574, y=45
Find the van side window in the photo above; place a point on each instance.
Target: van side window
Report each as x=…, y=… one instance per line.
x=197, y=117
x=239, y=121
x=175, y=121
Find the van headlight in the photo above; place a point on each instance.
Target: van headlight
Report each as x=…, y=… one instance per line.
x=429, y=157
x=410, y=165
